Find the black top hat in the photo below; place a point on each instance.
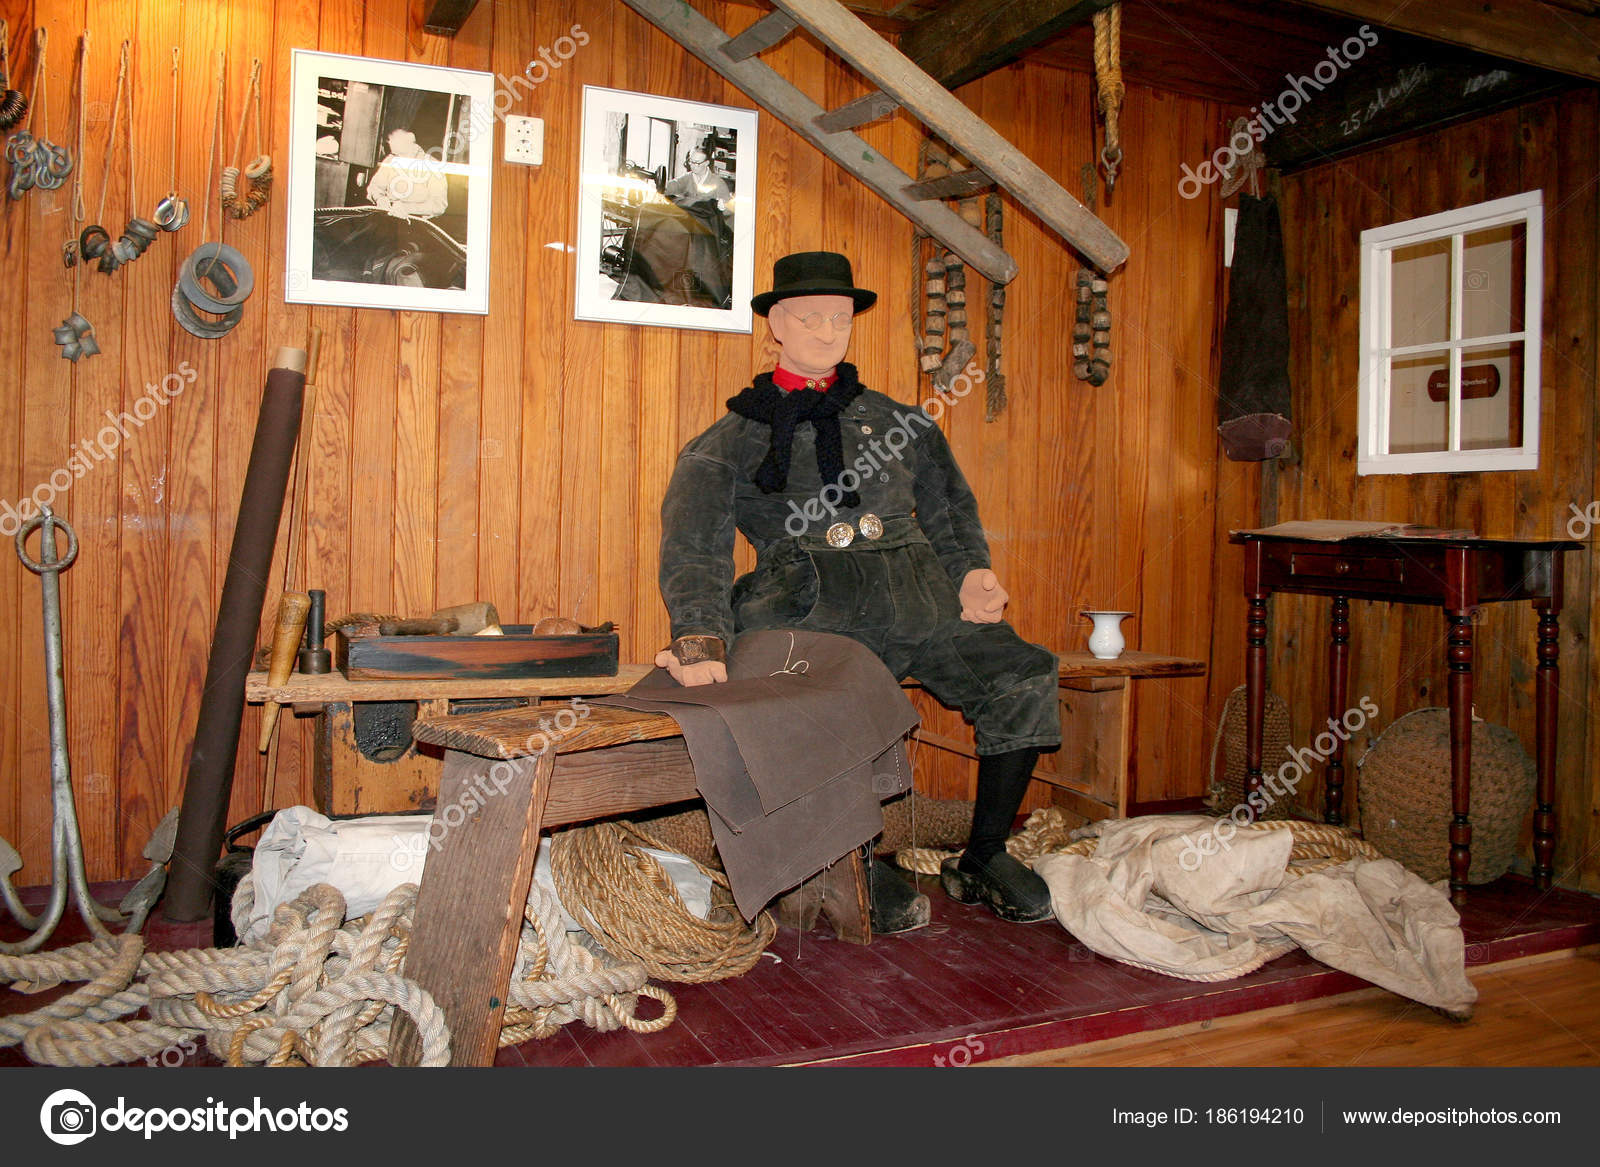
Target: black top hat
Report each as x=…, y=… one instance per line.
x=813, y=273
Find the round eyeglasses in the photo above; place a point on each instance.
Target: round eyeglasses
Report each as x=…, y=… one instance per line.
x=812, y=321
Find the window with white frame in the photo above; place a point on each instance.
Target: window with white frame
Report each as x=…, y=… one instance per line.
x=1450, y=339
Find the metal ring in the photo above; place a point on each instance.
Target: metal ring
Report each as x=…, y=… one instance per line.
x=171, y=213
x=184, y=310
x=259, y=166
x=230, y=260
x=33, y=525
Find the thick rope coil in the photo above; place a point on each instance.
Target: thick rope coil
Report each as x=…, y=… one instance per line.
x=627, y=902
x=316, y=990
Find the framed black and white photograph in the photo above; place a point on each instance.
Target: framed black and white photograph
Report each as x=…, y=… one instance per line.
x=389, y=175
x=666, y=211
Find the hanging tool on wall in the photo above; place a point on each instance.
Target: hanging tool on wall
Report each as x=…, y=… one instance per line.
x=1091, y=323
x=223, y=268
x=75, y=334
x=66, y=850
x=139, y=234
x=172, y=212
x=37, y=161
x=258, y=174
x=1111, y=90
x=13, y=106
x=994, y=312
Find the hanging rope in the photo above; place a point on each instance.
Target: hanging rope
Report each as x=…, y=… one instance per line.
x=75, y=335
x=259, y=172
x=172, y=212
x=1108, y=77
x=111, y=138
x=211, y=148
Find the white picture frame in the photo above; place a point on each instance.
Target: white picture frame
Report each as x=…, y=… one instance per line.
x=388, y=184
x=664, y=239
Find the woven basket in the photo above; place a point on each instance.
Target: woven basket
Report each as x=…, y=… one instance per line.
x=1227, y=754
x=1405, y=795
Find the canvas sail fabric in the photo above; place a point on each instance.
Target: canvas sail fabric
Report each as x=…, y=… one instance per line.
x=1143, y=897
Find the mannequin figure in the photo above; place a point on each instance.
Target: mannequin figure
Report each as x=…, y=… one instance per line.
x=863, y=527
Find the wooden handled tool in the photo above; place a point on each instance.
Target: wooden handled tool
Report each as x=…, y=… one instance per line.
x=286, y=639
x=476, y=619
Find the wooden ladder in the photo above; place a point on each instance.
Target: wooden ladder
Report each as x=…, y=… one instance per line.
x=900, y=84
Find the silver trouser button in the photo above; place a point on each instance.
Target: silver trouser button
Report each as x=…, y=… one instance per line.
x=841, y=535
x=871, y=526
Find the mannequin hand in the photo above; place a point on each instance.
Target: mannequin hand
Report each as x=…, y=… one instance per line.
x=982, y=597
x=704, y=672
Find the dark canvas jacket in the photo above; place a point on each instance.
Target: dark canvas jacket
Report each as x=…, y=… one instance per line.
x=906, y=469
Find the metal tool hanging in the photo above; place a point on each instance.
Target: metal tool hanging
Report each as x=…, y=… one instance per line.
x=37, y=161
x=66, y=847
x=211, y=312
x=172, y=212
x=75, y=334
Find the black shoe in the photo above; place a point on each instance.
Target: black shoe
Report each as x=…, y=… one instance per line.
x=1013, y=892
x=896, y=905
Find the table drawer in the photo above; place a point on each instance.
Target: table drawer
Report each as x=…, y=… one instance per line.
x=1331, y=566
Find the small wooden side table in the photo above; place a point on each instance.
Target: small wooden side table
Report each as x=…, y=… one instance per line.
x=1089, y=773
x=1457, y=574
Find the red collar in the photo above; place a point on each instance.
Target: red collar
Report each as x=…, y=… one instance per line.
x=789, y=382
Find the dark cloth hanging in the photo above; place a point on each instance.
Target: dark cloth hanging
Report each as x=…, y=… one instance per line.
x=1253, y=411
x=793, y=754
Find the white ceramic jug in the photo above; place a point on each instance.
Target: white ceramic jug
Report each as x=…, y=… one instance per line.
x=1106, y=641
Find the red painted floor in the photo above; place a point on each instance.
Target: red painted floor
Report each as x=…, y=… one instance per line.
x=967, y=988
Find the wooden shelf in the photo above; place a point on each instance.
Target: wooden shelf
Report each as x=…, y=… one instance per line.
x=320, y=688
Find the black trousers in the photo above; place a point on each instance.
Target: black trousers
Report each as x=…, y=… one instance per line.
x=898, y=601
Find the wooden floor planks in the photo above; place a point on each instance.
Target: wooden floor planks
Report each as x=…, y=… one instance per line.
x=1016, y=989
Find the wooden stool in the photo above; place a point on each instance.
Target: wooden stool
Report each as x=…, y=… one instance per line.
x=498, y=788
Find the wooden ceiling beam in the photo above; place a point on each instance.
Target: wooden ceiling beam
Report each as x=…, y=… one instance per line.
x=1560, y=37
x=969, y=38
x=948, y=118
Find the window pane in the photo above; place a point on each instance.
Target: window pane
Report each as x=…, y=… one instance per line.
x=1491, y=397
x=1419, y=293
x=1493, y=271
x=1418, y=423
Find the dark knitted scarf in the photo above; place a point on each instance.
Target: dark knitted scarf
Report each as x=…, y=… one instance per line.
x=764, y=401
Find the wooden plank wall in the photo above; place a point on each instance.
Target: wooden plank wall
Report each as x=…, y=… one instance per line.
x=520, y=457
x=1397, y=650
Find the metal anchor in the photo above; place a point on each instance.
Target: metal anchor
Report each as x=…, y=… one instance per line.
x=66, y=842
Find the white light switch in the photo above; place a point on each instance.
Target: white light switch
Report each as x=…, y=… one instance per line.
x=524, y=140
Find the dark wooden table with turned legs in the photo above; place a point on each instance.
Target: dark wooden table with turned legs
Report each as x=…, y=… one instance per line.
x=1459, y=575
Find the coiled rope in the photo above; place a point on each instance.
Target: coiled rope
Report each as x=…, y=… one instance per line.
x=627, y=902
x=316, y=990
x=1317, y=846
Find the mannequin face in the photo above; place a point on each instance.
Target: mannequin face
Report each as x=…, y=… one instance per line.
x=810, y=354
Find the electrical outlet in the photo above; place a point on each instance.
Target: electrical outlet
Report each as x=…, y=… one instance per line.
x=524, y=140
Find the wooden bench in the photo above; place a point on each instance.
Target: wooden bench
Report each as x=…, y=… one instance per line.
x=499, y=787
